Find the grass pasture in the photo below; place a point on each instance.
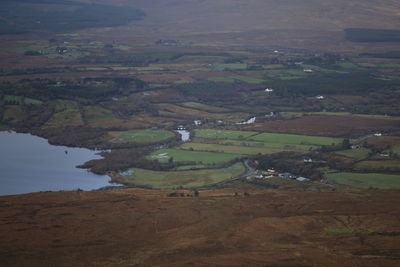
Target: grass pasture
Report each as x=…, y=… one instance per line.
x=251, y=143
x=20, y=100
x=186, y=179
x=13, y=114
x=197, y=157
x=378, y=165
x=233, y=66
x=365, y=180
x=66, y=114
x=233, y=79
x=142, y=136
x=175, y=111
x=395, y=149
x=100, y=117
x=358, y=153
x=295, y=139
x=340, y=230
x=266, y=148
x=204, y=107
x=223, y=134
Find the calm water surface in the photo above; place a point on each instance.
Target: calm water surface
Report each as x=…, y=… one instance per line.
x=30, y=164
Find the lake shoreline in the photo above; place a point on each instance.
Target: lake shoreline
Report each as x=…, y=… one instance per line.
x=30, y=164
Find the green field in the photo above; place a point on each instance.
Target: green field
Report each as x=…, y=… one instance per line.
x=235, y=79
x=14, y=114
x=266, y=148
x=143, y=136
x=347, y=114
x=149, y=68
x=204, y=107
x=186, y=179
x=233, y=66
x=222, y=79
x=66, y=114
x=340, y=230
x=365, y=180
x=223, y=134
x=296, y=139
x=190, y=167
x=20, y=100
x=348, y=65
x=358, y=153
x=378, y=165
x=100, y=117
x=395, y=149
x=197, y=157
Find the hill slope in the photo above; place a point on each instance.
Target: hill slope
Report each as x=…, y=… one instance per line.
x=137, y=227
x=292, y=23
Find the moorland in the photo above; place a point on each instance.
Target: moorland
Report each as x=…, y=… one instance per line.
x=264, y=88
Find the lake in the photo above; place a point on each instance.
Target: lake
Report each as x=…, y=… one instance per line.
x=30, y=164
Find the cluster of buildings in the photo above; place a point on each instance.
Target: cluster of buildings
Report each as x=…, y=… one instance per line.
x=272, y=173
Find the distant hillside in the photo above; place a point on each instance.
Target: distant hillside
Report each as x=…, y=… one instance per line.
x=58, y=15
x=290, y=23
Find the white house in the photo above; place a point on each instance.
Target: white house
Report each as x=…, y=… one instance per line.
x=303, y=179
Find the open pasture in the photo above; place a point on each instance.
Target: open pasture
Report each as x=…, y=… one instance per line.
x=223, y=134
x=176, y=111
x=232, y=79
x=141, y=136
x=395, y=149
x=104, y=118
x=20, y=100
x=378, y=165
x=346, y=114
x=66, y=114
x=233, y=66
x=204, y=107
x=14, y=114
x=198, y=157
x=186, y=179
x=321, y=125
x=358, y=153
x=266, y=148
x=365, y=180
x=389, y=143
x=295, y=139
x=100, y=117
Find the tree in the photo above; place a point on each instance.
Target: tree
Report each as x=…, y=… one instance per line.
x=346, y=143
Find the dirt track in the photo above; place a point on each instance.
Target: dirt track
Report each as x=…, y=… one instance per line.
x=135, y=227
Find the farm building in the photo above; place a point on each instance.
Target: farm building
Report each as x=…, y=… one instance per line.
x=287, y=175
x=303, y=179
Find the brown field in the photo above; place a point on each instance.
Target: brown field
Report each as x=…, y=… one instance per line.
x=176, y=111
x=384, y=141
x=165, y=95
x=327, y=125
x=135, y=227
